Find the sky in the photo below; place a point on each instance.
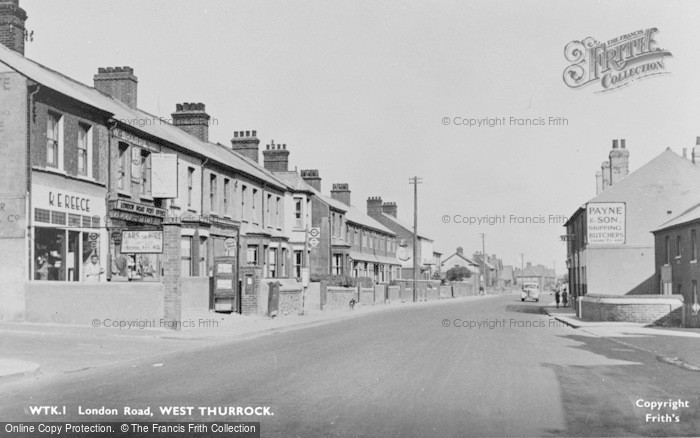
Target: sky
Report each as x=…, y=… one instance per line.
x=359, y=90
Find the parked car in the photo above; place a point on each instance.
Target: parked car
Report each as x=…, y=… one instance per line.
x=530, y=291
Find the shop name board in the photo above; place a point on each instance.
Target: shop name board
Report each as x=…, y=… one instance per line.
x=133, y=207
x=606, y=223
x=50, y=198
x=131, y=138
x=150, y=242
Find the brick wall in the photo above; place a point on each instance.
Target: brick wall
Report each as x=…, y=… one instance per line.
x=445, y=291
x=367, y=296
x=339, y=297
x=250, y=295
x=290, y=302
x=171, y=263
x=665, y=310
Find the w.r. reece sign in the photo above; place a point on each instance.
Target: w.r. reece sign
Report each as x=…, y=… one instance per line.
x=605, y=223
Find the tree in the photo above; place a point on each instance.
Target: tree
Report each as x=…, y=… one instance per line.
x=458, y=273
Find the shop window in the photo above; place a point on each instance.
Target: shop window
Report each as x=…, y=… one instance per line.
x=145, y=171
x=67, y=255
x=122, y=165
x=54, y=140
x=252, y=255
x=186, y=256
x=84, y=150
x=74, y=220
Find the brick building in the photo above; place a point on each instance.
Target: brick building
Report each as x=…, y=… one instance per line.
x=676, y=256
x=610, y=246
x=386, y=213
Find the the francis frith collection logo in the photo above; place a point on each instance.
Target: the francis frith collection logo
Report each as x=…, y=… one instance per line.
x=615, y=63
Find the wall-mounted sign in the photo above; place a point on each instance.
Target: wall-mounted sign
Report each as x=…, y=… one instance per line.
x=150, y=242
x=164, y=175
x=606, y=223
x=133, y=207
x=69, y=201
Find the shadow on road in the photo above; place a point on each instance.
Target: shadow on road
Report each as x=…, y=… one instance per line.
x=533, y=308
x=600, y=396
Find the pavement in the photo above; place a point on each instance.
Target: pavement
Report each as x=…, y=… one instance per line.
x=43, y=349
x=677, y=346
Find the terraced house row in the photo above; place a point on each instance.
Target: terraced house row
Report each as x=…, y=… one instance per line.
x=105, y=207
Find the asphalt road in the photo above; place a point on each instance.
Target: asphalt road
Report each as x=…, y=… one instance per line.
x=414, y=372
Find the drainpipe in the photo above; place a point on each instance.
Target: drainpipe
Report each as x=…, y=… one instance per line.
x=28, y=204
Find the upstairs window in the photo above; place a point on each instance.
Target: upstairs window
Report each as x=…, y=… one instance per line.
x=190, y=181
x=212, y=192
x=122, y=166
x=145, y=171
x=297, y=214
x=54, y=141
x=84, y=150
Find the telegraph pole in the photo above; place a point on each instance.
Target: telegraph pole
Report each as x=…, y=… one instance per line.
x=483, y=257
x=415, y=181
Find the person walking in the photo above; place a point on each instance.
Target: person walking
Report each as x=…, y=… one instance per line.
x=564, y=298
x=557, y=296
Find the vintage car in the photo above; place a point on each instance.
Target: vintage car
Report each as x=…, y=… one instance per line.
x=530, y=291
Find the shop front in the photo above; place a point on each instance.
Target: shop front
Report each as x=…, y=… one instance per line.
x=136, y=241
x=68, y=242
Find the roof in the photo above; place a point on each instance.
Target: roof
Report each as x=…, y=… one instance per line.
x=123, y=113
x=359, y=256
x=690, y=215
x=461, y=256
x=352, y=214
x=294, y=181
x=405, y=226
x=668, y=182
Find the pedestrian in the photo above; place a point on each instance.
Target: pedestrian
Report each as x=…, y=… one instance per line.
x=564, y=298
x=481, y=290
x=93, y=270
x=556, y=297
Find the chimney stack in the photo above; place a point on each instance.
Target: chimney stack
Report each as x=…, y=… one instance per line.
x=12, y=30
x=598, y=182
x=118, y=82
x=374, y=206
x=390, y=208
x=460, y=250
x=341, y=192
x=246, y=143
x=696, y=151
x=193, y=119
x=310, y=176
x=276, y=157
x=619, y=162
x=605, y=173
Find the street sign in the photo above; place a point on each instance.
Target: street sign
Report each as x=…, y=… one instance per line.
x=313, y=242
x=314, y=232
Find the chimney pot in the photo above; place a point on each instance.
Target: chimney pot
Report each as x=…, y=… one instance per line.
x=614, y=144
x=119, y=82
x=191, y=118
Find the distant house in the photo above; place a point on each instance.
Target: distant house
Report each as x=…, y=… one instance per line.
x=508, y=276
x=459, y=260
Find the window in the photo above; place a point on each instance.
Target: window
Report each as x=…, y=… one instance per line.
x=695, y=291
x=203, y=257
x=668, y=249
x=84, y=150
x=190, y=178
x=278, y=207
x=297, y=214
x=54, y=142
x=121, y=166
x=297, y=263
x=693, y=245
x=679, y=289
x=678, y=247
x=212, y=192
x=145, y=171
x=337, y=264
x=268, y=218
x=272, y=262
x=226, y=195
x=244, y=193
x=252, y=205
x=252, y=255
x=186, y=256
